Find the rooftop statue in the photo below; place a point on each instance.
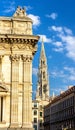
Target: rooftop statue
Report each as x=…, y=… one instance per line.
x=20, y=12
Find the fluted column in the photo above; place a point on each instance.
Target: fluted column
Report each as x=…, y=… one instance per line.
x=14, y=91
x=1, y=68
x=0, y=109
x=27, y=92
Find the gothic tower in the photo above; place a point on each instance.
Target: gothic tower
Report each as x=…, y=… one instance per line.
x=43, y=82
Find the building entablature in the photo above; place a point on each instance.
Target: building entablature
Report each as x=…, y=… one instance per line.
x=18, y=43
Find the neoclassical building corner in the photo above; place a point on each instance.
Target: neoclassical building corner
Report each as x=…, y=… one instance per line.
x=17, y=48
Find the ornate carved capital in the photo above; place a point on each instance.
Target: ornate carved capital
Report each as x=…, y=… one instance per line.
x=26, y=58
x=1, y=56
x=14, y=58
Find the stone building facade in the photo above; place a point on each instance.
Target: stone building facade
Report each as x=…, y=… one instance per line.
x=62, y=111
x=17, y=49
x=47, y=117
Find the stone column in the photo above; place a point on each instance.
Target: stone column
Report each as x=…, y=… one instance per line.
x=1, y=68
x=14, y=91
x=0, y=109
x=27, y=92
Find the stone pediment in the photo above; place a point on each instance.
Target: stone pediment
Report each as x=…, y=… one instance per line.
x=3, y=89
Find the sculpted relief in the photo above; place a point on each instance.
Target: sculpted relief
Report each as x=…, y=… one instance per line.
x=5, y=26
x=18, y=24
x=22, y=27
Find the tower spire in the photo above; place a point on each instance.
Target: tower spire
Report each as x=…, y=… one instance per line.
x=42, y=50
x=43, y=83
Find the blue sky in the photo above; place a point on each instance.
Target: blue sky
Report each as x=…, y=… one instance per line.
x=54, y=20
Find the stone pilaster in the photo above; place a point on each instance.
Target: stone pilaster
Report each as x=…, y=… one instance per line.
x=27, y=92
x=14, y=91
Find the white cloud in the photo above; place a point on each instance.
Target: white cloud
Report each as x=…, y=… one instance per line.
x=58, y=44
x=71, y=72
x=10, y=7
x=58, y=49
x=69, y=45
x=45, y=38
x=52, y=16
x=67, y=74
x=36, y=20
x=67, y=39
x=58, y=73
x=67, y=30
x=62, y=30
x=35, y=71
x=56, y=29
x=28, y=7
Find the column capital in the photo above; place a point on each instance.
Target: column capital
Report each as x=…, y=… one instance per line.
x=1, y=56
x=14, y=58
x=26, y=58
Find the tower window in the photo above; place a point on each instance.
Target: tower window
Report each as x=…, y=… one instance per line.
x=40, y=114
x=43, y=62
x=43, y=75
x=41, y=123
x=45, y=88
x=35, y=120
x=35, y=112
x=35, y=104
x=35, y=127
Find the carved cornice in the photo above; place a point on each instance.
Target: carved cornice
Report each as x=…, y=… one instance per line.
x=14, y=58
x=26, y=58
x=18, y=42
x=19, y=39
